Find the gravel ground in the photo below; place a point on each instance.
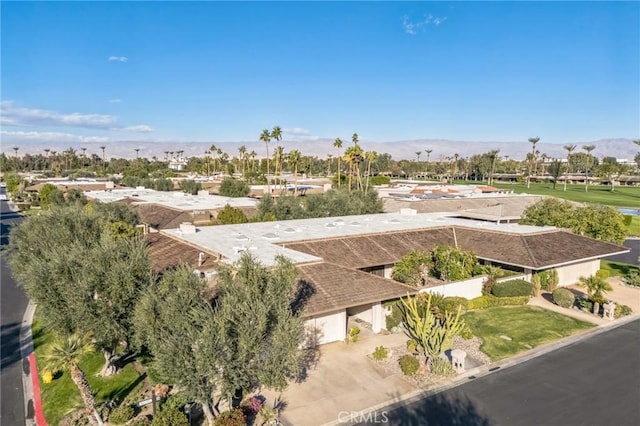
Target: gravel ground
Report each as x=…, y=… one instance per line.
x=423, y=379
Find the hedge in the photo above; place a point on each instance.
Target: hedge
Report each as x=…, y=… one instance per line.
x=512, y=288
x=484, y=302
x=563, y=297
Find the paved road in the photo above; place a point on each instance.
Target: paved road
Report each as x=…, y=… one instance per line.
x=13, y=303
x=633, y=257
x=595, y=381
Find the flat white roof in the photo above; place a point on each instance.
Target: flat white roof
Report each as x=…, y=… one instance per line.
x=177, y=200
x=265, y=239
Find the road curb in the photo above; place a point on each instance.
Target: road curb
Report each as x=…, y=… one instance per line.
x=29, y=374
x=487, y=369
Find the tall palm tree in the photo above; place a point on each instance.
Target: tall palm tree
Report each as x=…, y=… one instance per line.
x=493, y=155
x=428, y=151
x=137, y=150
x=15, y=149
x=370, y=156
x=353, y=155
x=338, y=145
x=588, y=149
x=243, y=150
x=329, y=158
x=65, y=355
x=266, y=138
x=47, y=151
x=276, y=134
x=569, y=148
x=253, y=156
x=533, y=162
x=294, y=160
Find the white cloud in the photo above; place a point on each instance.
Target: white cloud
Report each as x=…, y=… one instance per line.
x=410, y=27
x=118, y=59
x=141, y=128
x=20, y=116
x=115, y=101
x=20, y=136
x=298, y=134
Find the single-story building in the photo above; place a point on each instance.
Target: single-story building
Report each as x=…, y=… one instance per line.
x=346, y=262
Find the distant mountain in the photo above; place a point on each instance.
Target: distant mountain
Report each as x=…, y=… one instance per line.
x=619, y=148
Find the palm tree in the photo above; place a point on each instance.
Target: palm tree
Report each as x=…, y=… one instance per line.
x=370, y=156
x=137, y=150
x=355, y=139
x=588, y=149
x=533, y=162
x=596, y=288
x=207, y=153
x=47, y=150
x=242, y=150
x=65, y=354
x=266, y=138
x=338, y=144
x=276, y=134
x=353, y=155
x=329, y=158
x=493, y=155
x=428, y=151
x=294, y=160
x=253, y=156
x=569, y=148
x=15, y=149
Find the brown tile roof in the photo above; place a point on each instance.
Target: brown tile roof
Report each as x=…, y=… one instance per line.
x=161, y=217
x=375, y=249
x=536, y=251
x=512, y=206
x=333, y=287
x=166, y=252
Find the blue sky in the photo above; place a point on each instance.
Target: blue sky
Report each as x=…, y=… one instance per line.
x=213, y=71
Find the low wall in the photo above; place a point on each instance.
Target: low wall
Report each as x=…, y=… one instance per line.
x=469, y=289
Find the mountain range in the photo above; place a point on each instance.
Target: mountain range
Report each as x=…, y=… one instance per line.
x=620, y=148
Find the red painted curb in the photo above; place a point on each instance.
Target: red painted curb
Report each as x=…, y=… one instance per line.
x=37, y=401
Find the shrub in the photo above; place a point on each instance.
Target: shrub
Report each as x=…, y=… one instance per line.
x=484, y=302
x=627, y=219
x=442, y=367
x=170, y=417
x=512, y=288
x=231, y=187
x=352, y=335
x=586, y=304
x=632, y=278
x=412, y=346
x=395, y=317
x=380, y=353
x=452, y=303
x=231, y=216
x=536, y=284
x=563, y=297
x=121, y=414
x=553, y=280
x=602, y=273
x=409, y=365
x=234, y=417
x=622, y=311
x=140, y=421
x=466, y=333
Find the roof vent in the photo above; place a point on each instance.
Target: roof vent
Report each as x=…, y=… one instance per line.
x=270, y=236
x=329, y=225
x=242, y=237
x=355, y=224
x=188, y=228
x=290, y=230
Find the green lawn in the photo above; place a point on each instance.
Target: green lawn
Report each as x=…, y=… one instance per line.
x=634, y=228
x=621, y=197
x=617, y=268
x=525, y=325
x=61, y=396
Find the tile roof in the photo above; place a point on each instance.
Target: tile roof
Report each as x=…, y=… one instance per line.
x=166, y=252
x=333, y=287
x=160, y=217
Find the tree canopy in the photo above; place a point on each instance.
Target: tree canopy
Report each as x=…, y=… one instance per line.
x=603, y=223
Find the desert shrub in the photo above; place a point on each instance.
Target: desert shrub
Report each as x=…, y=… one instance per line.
x=380, y=353
x=632, y=278
x=622, y=311
x=412, y=346
x=466, y=332
x=536, y=285
x=121, y=414
x=234, y=417
x=395, y=317
x=484, y=302
x=512, y=288
x=586, y=305
x=140, y=421
x=170, y=417
x=452, y=303
x=602, y=273
x=409, y=365
x=353, y=334
x=563, y=297
x=442, y=367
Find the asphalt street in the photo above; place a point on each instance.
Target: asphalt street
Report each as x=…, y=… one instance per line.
x=595, y=381
x=633, y=257
x=13, y=303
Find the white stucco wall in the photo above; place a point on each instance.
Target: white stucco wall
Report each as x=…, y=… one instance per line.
x=326, y=328
x=570, y=274
x=469, y=289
